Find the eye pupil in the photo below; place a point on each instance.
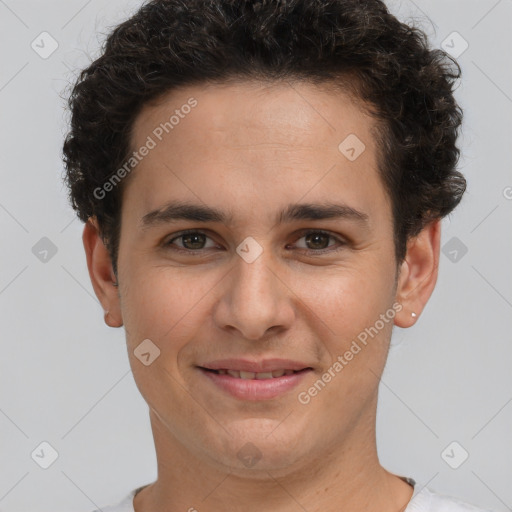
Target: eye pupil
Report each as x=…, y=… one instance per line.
x=315, y=236
x=193, y=236
x=317, y=241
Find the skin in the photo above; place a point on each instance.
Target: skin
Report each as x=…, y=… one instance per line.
x=254, y=148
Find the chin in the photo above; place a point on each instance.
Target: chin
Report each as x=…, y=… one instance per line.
x=257, y=445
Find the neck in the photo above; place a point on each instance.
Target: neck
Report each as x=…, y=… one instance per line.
x=348, y=477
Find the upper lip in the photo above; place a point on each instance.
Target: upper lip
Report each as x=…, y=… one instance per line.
x=264, y=365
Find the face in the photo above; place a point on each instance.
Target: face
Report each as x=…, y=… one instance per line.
x=257, y=256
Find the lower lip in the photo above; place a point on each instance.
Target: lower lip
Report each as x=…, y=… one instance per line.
x=256, y=389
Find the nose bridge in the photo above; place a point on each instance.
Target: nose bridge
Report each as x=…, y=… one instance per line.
x=254, y=300
x=254, y=280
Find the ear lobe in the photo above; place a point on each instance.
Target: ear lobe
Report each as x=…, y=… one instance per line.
x=418, y=274
x=101, y=273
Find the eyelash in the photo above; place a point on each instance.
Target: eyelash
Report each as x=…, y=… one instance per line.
x=341, y=242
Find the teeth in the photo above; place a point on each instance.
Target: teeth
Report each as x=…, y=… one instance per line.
x=252, y=375
x=264, y=375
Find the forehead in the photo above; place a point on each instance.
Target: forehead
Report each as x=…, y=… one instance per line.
x=271, y=112
x=252, y=138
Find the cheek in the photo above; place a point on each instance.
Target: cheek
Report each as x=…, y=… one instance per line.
x=164, y=307
x=347, y=300
x=355, y=341
x=163, y=303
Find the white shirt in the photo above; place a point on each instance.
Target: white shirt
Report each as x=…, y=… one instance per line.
x=422, y=500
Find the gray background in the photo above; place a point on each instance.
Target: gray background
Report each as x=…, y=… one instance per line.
x=64, y=375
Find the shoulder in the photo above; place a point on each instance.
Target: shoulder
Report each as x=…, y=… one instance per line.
x=426, y=500
x=125, y=505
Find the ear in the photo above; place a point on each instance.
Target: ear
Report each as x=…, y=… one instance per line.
x=418, y=274
x=101, y=273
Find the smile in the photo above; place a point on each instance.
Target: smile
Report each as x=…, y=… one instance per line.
x=254, y=375
x=254, y=386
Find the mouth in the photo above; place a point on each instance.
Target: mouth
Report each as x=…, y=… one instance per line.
x=270, y=382
x=240, y=374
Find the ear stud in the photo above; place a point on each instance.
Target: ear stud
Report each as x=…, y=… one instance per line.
x=413, y=314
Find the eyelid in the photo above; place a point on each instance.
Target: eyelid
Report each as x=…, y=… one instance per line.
x=175, y=236
x=340, y=240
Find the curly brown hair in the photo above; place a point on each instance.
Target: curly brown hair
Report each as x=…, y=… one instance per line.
x=387, y=66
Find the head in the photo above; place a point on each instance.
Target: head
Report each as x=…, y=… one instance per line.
x=246, y=109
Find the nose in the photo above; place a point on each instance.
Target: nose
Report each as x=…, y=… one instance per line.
x=255, y=299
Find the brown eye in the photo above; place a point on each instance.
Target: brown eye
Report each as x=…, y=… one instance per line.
x=190, y=241
x=318, y=241
x=193, y=241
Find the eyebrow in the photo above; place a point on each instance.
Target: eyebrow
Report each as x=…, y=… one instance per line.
x=180, y=210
